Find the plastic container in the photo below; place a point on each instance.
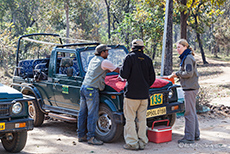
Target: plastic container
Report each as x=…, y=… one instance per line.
x=160, y=134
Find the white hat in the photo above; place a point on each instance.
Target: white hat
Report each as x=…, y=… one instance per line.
x=137, y=43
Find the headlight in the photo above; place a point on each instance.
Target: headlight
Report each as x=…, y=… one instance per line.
x=17, y=108
x=170, y=94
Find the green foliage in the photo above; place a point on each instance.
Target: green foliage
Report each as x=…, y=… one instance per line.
x=143, y=20
x=7, y=49
x=85, y=16
x=88, y=20
x=22, y=13
x=222, y=28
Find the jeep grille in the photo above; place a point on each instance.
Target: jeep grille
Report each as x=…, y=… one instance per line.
x=4, y=109
x=165, y=96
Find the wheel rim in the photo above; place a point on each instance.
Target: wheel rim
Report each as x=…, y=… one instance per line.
x=31, y=109
x=104, y=124
x=10, y=142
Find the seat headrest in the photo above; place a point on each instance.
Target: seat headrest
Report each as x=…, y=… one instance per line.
x=66, y=62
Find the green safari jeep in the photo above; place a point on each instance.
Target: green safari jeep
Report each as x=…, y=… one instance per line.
x=14, y=118
x=55, y=82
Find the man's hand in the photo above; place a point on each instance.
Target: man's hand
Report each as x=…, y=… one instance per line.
x=121, y=79
x=117, y=70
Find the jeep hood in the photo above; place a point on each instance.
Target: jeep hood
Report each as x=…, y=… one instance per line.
x=7, y=92
x=114, y=82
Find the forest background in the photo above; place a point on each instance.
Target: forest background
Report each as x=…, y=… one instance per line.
x=204, y=23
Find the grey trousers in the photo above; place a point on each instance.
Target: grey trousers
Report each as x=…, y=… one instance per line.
x=191, y=122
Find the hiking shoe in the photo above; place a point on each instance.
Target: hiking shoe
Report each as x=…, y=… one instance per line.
x=82, y=139
x=130, y=147
x=95, y=141
x=197, y=138
x=141, y=145
x=185, y=141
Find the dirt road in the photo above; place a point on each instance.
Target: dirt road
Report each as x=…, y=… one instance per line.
x=59, y=137
x=55, y=137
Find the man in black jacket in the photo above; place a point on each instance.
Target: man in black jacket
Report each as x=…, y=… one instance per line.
x=139, y=72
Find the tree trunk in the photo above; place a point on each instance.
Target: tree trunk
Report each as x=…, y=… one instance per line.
x=127, y=8
x=188, y=36
x=154, y=48
x=67, y=19
x=183, y=21
x=216, y=48
x=228, y=50
x=127, y=39
x=6, y=69
x=210, y=36
x=1, y=22
x=108, y=16
x=169, y=41
x=194, y=46
x=142, y=33
x=201, y=48
x=199, y=40
x=175, y=33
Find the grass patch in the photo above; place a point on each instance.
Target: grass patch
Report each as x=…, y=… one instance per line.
x=218, y=91
x=203, y=96
x=227, y=86
x=220, y=57
x=205, y=73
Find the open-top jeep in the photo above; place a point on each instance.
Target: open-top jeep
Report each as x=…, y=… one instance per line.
x=14, y=118
x=55, y=83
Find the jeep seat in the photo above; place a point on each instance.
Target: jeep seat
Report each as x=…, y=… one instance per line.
x=40, y=66
x=67, y=63
x=26, y=68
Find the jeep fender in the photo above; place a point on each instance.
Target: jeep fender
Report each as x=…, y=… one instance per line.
x=27, y=89
x=107, y=101
x=117, y=115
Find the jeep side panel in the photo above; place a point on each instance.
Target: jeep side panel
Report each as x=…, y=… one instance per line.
x=66, y=88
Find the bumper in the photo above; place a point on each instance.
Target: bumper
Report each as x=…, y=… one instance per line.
x=170, y=108
x=16, y=125
x=165, y=109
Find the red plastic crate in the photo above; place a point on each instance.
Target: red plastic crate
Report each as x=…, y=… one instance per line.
x=160, y=134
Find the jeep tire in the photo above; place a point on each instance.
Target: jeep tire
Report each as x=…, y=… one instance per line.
x=35, y=113
x=17, y=143
x=172, y=119
x=107, y=129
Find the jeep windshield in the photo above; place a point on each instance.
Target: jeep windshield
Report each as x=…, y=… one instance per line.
x=116, y=56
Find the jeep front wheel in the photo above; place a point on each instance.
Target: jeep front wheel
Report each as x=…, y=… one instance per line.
x=35, y=113
x=107, y=129
x=16, y=143
x=172, y=119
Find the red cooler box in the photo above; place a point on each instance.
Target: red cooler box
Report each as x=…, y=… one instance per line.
x=160, y=134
